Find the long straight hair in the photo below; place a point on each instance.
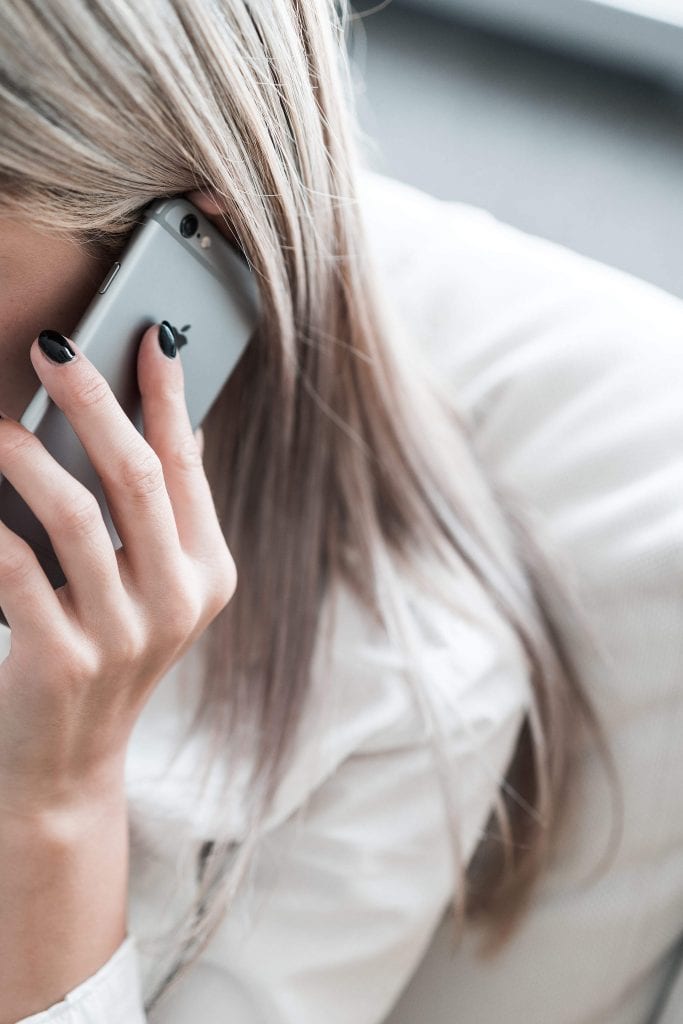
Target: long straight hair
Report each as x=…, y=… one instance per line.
x=334, y=457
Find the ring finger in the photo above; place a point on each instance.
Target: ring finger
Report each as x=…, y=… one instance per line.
x=27, y=598
x=71, y=517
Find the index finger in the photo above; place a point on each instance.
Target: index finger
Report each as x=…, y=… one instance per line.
x=129, y=470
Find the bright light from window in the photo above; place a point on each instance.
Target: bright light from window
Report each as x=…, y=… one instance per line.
x=668, y=11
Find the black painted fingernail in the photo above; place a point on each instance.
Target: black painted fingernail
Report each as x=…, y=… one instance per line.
x=167, y=339
x=55, y=346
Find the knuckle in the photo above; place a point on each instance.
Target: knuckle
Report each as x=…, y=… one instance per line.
x=83, y=666
x=80, y=515
x=19, y=442
x=131, y=646
x=181, y=614
x=179, y=611
x=91, y=391
x=72, y=661
x=224, y=582
x=186, y=455
x=127, y=641
x=16, y=563
x=142, y=475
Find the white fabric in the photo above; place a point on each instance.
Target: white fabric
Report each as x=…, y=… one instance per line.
x=573, y=375
x=571, y=371
x=111, y=993
x=356, y=869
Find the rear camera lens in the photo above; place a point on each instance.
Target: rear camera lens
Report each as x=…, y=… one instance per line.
x=188, y=225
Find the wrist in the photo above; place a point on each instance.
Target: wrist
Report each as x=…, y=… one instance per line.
x=63, y=873
x=63, y=808
x=65, y=821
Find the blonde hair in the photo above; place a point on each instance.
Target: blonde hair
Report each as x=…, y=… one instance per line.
x=330, y=458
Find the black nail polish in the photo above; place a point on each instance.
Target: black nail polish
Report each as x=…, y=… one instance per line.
x=167, y=339
x=55, y=346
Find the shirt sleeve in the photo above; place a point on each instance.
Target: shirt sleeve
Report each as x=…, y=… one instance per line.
x=112, y=995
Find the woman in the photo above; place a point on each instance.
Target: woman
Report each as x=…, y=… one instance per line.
x=352, y=781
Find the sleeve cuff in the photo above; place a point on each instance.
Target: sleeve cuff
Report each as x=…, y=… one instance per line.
x=112, y=995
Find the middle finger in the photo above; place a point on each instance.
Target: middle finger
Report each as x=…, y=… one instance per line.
x=129, y=469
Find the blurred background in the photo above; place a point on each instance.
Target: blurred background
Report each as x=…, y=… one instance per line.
x=561, y=117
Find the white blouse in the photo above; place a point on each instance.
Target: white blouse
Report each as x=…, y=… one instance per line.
x=355, y=870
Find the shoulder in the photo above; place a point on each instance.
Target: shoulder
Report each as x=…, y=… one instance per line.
x=569, y=369
x=452, y=265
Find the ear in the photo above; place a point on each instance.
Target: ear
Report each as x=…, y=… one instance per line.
x=204, y=202
x=209, y=206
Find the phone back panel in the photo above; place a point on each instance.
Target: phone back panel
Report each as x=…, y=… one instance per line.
x=208, y=294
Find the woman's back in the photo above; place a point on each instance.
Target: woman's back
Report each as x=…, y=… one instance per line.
x=571, y=372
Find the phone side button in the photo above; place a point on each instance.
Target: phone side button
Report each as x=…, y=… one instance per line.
x=109, y=278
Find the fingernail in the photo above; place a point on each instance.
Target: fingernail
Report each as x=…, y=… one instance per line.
x=56, y=347
x=167, y=339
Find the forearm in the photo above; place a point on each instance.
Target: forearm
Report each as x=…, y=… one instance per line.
x=63, y=902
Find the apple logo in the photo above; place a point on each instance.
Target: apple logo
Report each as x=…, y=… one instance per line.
x=179, y=335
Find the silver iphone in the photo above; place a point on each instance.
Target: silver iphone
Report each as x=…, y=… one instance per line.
x=176, y=266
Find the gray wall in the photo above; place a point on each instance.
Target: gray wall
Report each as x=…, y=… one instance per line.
x=580, y=154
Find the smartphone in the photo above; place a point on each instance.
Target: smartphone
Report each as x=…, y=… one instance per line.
x=176, y=266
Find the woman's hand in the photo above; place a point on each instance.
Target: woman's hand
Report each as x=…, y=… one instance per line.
x=85, y=657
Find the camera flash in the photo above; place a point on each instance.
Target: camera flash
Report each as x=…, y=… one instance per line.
x=205, y=242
